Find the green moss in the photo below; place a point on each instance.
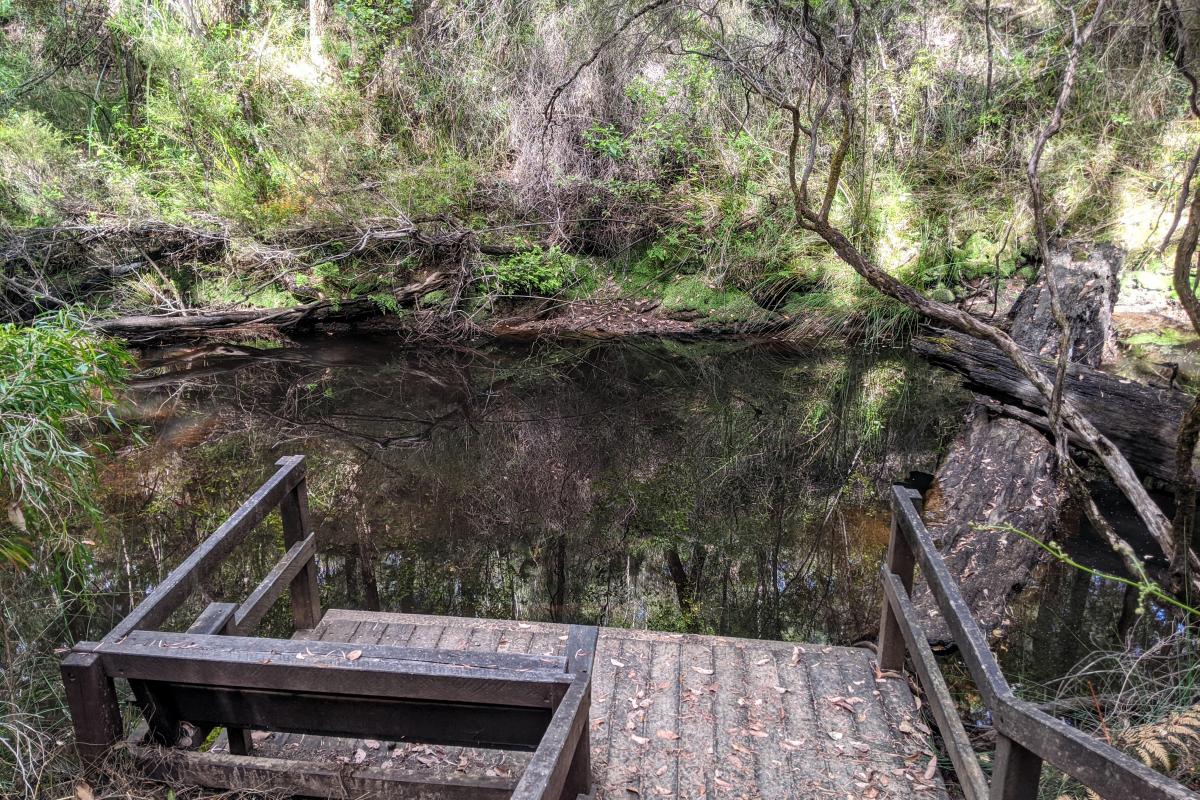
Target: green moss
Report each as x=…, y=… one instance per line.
x=693, y=293
x=1152, y=280
x=1168, y=337
x=439, y=298
x=220, y=291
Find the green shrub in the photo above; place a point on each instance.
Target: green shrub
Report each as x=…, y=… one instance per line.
x=35, y=162
x=693, y=293
x=57, y=377
x=541, y=273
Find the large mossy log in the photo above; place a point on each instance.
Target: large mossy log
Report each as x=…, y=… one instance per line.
x=1000, y=470
x=1140, y=419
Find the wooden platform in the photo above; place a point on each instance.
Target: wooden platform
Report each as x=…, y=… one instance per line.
x=677, y=715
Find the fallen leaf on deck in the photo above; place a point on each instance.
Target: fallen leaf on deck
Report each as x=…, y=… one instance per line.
x=354, y=655
x=703, y=671
x=639, y=739
x=666, y=735
x=360, y=756
x=615, y=663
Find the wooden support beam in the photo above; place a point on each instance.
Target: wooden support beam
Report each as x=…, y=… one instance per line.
x=581, y=652
x=366, y=716
x=296, y=561
x=325, y=652
x=309, y=778
x=581, y=649
x=1092, y=762
x=1028, y=736
x=972, y=644
x=545, y=777
x=284, y=665
x=945, y=712
x=1016, y=773
x=169, y=594
x=217, y=619
x=164, y=722
x=214, y=619
x=901, y=563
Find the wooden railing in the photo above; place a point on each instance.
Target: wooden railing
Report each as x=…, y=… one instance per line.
x=217, y=675
x=90, y=692
x=1026, y=736
x=286, y=489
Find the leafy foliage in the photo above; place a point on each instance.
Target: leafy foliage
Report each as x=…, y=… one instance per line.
x=536, y=272
x=57, y=377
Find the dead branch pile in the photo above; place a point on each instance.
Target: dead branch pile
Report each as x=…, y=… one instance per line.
x=50, y=267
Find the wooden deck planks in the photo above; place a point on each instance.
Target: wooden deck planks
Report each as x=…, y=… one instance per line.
x=754, y=719
x=697, y=688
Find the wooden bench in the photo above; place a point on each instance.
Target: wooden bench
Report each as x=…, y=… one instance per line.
x=213, y=676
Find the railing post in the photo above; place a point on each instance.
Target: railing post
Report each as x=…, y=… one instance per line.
x=306, y=595
x=901, y=562
x=1016, y=771
x=94, y=708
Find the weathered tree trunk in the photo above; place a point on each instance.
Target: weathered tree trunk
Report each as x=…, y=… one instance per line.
x=1000, y=470
x=302, y=319
x=318, y=16
x=1140, y=419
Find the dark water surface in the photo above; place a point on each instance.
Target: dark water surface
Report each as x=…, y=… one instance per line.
x=733, y=489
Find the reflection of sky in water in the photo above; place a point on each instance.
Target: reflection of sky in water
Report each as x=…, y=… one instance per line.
x=716, y=489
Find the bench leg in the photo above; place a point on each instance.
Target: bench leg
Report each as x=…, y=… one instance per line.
x=579, y=775
x=95, y=710
x=162, y=722
x=240, y=743
x=1016, y=773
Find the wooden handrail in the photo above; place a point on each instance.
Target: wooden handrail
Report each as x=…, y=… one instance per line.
x=286, y=489
x=1027, y=736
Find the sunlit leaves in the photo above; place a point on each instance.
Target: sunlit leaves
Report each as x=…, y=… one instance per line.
x=56, y=380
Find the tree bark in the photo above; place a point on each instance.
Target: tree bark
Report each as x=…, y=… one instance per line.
x=1140, y=419
x=1001, y=470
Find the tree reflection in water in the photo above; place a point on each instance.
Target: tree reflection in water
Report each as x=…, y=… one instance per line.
x=733, y=489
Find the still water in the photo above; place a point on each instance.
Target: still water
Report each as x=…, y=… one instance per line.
x=736, y=489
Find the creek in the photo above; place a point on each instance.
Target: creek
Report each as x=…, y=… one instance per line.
x=733, y=488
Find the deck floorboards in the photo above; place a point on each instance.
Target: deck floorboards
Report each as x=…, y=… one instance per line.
x=676, y=715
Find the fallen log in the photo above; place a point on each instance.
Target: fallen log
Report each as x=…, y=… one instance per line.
x=300, y=319
x=1140, y=419
x=1001, y=470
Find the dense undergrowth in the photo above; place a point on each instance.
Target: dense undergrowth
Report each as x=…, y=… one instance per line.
x=653, y=174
